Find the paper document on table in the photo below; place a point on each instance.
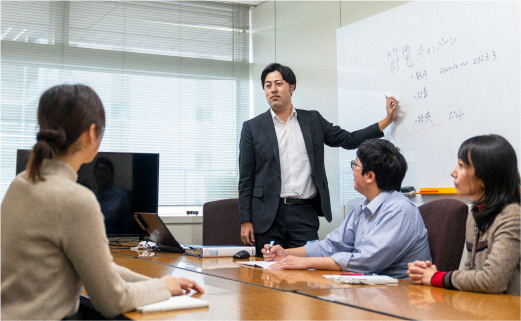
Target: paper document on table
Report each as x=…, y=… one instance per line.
x=262, y=264
x=362, y=279
x=179, y=302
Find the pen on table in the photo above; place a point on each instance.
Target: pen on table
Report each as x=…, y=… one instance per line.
x=392, y=104
x=355, y=273
x=271, y=245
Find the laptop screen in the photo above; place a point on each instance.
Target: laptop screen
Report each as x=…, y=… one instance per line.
x=159, y=233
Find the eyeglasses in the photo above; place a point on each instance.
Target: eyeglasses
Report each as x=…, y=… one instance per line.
x=355, y=165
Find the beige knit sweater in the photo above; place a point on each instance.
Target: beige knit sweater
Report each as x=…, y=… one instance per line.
x=54, y=244
x=492, y=265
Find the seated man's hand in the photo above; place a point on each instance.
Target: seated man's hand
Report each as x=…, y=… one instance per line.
x=291, y=262
x=276, y=253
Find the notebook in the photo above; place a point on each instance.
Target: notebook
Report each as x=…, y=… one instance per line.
x=159, y=233
x=179, y=302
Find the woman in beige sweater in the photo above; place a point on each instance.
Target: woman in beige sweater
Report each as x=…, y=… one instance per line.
x=487, y=171
x=53, y=235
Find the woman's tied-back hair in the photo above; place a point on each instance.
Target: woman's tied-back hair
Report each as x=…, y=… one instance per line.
x=495, y=163
x=64, y=113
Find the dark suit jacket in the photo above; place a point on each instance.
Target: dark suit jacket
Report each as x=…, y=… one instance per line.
x=259, y=163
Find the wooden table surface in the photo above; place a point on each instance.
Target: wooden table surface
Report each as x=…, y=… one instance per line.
x=234, y=300
x=228, y=268
x=425, y=302
x=303, y=292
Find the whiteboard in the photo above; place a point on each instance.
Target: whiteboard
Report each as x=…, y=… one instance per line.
x=454, y=68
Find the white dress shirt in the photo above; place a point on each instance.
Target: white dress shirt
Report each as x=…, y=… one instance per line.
x=295, y=169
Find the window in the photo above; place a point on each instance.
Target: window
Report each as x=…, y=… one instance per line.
x=173, y=78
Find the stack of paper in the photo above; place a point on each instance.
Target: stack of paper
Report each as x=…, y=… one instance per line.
x=362, y=279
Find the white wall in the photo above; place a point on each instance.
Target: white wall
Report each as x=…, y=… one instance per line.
x=187, y=230
x=302, y=35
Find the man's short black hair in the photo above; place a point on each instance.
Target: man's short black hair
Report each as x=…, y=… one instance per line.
x=385, y=160
x=285, y=71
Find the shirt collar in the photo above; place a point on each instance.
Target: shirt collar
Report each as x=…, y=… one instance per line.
x=277, y=118
x=370, y=208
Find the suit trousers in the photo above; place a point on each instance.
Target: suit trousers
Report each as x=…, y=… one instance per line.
x=293, y=226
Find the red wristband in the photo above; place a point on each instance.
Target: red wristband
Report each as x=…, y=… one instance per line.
x=437, y=279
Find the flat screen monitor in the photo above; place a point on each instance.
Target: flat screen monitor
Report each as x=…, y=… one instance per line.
x=124, y=183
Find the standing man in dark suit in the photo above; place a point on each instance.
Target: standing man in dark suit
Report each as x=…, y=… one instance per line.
x=283, y=185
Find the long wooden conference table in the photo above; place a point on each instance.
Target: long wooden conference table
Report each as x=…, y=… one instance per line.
x=238, y=292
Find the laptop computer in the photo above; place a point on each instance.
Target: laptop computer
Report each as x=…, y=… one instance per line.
x=159, y=233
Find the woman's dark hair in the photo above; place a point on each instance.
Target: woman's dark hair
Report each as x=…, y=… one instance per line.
x=64, y=113
x=384, y=159
x=495, y=163
x=286, y=72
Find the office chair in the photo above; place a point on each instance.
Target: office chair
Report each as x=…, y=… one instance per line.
x=221, y=222
x=445, y=220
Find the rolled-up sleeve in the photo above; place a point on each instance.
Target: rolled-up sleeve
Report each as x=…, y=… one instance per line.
x=383, y=244
x=338, y=244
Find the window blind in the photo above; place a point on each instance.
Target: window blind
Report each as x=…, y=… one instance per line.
x=172, y=76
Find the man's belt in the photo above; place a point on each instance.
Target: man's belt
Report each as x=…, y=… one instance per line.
x=296, y=201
